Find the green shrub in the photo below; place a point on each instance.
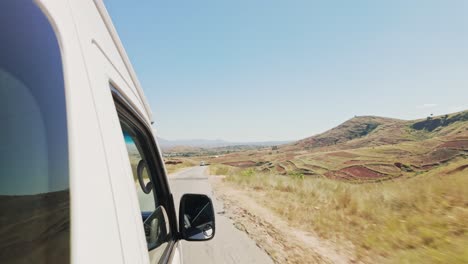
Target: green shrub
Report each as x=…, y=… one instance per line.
x=296, y=175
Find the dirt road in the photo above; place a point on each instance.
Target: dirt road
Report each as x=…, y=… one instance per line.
x=230, y=245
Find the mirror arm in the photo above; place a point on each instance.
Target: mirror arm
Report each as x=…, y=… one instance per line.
x=174, y=225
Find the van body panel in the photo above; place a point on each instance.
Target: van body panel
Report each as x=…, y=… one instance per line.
x=92, y=202
x=106, y=224
x=93, y=31
x=106, y=68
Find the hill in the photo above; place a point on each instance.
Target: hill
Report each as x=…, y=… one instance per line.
x=367, y=148
x=366, y=131
x=355, y=128
x=387, y=190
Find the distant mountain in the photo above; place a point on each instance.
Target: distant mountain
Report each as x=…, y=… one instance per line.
x=215, y=143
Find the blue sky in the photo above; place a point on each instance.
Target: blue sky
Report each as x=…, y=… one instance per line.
x=262, y=70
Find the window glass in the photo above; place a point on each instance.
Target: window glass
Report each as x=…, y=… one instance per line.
x=146, y=199
x=154, y=216
x=34, y=175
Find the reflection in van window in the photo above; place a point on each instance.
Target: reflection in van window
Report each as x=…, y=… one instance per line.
x=34, y=181
x=147, y=203
x=153, y=214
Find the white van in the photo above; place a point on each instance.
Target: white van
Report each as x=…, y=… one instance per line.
x=81, y=175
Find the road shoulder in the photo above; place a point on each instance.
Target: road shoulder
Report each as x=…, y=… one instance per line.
x=282, y=242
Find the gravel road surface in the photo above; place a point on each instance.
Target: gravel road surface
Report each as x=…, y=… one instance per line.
x=229, y=245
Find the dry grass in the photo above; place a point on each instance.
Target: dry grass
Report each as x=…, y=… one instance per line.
x=218, y=169
x=185, y=164
x=422, y=219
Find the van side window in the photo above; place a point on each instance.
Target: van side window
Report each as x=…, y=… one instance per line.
x=154, y=217
x=34, y=171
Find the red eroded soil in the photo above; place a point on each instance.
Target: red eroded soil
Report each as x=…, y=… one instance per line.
x=461, y=168
x=440, y=155
x=456, y=144
x=172, y=162
x=362, y=172
x=384, y=168
x=241, y=164
x=280, y=169
x=355, y=173
x=338, y=175
x=353, y=162
x=358, y=162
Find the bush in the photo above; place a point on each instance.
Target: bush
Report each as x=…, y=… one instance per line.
x=247, y=173
x=296, y=175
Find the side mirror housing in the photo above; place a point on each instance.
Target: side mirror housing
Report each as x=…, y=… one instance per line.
x=196, y=217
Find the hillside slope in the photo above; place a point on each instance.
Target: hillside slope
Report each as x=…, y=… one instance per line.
x=356, y=128
x=367, y=131
x=368, y=149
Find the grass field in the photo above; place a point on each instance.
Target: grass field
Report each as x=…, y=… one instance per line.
x=413, y=220
x=397, y=190
x=184, y=163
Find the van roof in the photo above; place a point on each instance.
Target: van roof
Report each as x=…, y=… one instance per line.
x=118, y=43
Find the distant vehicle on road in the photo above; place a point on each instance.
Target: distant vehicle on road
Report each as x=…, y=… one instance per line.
x=202, y=163
x=82, y=179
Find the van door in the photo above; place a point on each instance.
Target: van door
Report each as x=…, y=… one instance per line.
x=109, y=78
x=102, y=62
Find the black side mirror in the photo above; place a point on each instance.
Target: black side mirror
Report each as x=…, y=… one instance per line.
x=196, y=217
